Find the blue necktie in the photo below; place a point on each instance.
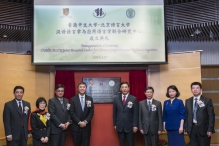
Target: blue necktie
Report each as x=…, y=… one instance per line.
x=195, y=109
x=82, y=103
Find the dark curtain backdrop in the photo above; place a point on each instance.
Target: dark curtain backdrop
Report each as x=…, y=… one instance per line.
x=138, y=83
x=67, y=79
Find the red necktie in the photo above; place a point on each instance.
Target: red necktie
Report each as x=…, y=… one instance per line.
x=123, y=100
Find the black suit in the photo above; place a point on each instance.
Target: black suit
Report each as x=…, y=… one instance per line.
x=205, y=122
x=81, y=135
x=39, y=130
x=16, y=124
x=59, y=115
x=150, y=121
x=125, y=118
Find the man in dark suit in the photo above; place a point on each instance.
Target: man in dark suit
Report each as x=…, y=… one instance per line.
x=81, y=111
x=58, y=108
x=200, y=117
x=15, y=117
x=125, y=115
x=150, y=118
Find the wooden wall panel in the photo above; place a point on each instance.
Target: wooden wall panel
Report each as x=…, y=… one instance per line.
x=213, y=96
x=181, y=70
x=216, y=125
x=210, y=72
x=210, y=84
x=210, y=75
x=17, y=70
x=216, y=111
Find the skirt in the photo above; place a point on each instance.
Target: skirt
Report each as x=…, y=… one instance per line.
x=175, y=139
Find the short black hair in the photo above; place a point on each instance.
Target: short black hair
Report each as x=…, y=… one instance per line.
x=174, y=88
x=196, y=83
x=18, y=87
x=149, y=88
x=124, y=83
x=82, y=83
x=59, y=86
x=40, y=99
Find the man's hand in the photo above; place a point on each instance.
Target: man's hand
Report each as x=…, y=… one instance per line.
x=135, y=129
x=82, y=124
x=66, y=125
x=159, y=132
x=63, y=126
x=115, y=127
x=209, y=134
x=142, y=131
x=29, y=135
x=9, y=138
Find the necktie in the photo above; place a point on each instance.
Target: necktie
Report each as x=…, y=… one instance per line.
x=82, y=103
x=149, y=106
x=61, y=101
x=123, y=100
x=20, y=108
x=195, y=109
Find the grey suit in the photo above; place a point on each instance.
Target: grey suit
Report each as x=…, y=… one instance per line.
x=150, y=121
x=205, y=122
x=16, y=124
x=59, y=115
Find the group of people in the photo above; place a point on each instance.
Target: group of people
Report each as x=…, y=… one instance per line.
x=197, y=117
x=50, y=128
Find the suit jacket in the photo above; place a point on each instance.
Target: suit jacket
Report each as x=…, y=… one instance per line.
x=150, y=121
x=205, y=116
x=13, y=119
x=125, y=118
x=39, y=130
x=78, y=115
x=59, y=115
x=173, y=114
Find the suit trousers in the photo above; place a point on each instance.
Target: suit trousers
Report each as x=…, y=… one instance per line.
x=21, y=142
x=81, y=137
x=57, y=139
x=196, y=139
x=130, y=137
x=151, y=139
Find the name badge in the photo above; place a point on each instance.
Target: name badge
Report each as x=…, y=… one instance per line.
x=154, y=109
x=202, y=105
x=129, y=106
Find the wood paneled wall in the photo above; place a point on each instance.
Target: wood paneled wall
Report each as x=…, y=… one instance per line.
x=181, y=70
x=210, y=82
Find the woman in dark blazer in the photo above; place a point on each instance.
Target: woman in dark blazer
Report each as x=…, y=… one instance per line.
x=173, y=117
x=40, y=123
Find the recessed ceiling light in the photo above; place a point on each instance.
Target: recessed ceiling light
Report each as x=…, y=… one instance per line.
x=5, y=36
